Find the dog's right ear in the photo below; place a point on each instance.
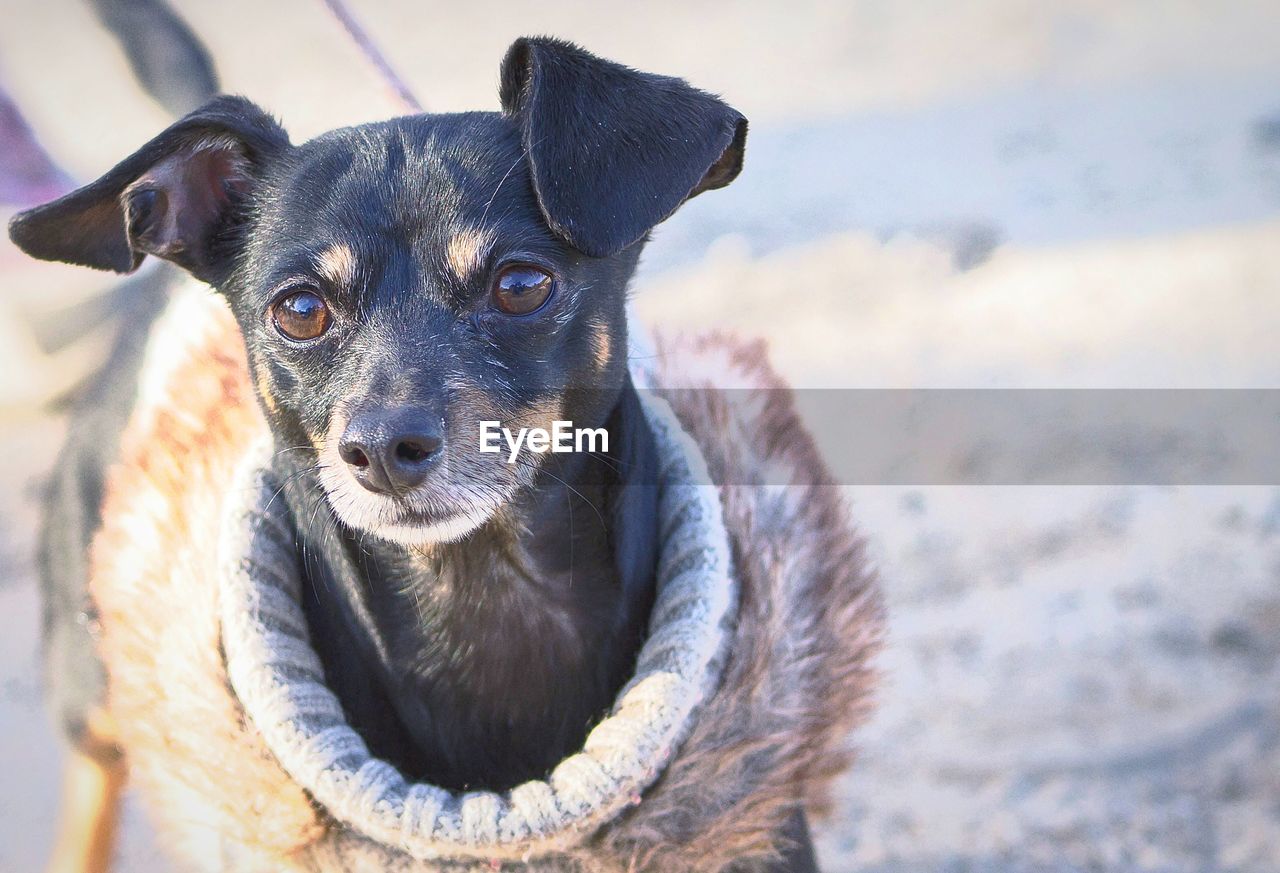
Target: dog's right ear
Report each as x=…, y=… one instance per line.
x=177, y=197
x=613, y=151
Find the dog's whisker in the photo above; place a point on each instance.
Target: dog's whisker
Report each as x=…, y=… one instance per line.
x=292, y=477
x=543, y=469
x=524, y=153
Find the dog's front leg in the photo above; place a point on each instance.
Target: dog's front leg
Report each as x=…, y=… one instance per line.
x=93, y=780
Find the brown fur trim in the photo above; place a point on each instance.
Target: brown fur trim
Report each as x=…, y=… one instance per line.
x=799, y=676
x=773, y=736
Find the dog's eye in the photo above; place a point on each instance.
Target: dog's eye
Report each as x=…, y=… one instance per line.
x=301, y=315
x=521, y=289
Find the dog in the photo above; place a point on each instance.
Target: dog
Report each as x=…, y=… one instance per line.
x=396, y=284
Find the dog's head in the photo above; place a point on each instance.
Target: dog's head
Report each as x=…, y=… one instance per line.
x=399, y=283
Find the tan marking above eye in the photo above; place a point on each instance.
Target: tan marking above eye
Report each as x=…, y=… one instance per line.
x=337, y=265
x=601, y=342
x=466, y=252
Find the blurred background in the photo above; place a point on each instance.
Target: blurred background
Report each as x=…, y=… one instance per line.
x=1003, y=193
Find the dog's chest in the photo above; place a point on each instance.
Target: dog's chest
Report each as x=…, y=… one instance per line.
x=499, y=664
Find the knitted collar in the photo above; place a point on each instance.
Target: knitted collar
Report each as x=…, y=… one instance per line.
x=279, y=681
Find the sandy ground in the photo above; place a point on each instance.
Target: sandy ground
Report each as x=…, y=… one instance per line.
x=1005, y=195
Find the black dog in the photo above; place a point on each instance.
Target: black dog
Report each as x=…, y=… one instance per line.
x=396, y=284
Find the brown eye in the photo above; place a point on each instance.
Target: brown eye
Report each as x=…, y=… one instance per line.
x=301, y=315
x=521, y=289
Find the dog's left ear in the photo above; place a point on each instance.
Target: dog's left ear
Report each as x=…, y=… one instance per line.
x=178, y=197
x=614, y=151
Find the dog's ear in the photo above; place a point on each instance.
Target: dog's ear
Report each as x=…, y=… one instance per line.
x=614, y=151
x=177, y=197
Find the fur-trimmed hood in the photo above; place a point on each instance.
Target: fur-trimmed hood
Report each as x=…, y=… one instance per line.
x=784, y=663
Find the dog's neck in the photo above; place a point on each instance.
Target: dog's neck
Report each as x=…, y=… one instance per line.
x=482, y=663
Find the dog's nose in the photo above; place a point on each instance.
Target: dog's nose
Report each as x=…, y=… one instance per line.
x=391, y=450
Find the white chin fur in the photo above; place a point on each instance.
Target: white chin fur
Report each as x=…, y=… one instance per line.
x=446, y=531
x=373, y=515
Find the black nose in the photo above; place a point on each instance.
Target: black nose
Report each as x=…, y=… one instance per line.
x=391, y=450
